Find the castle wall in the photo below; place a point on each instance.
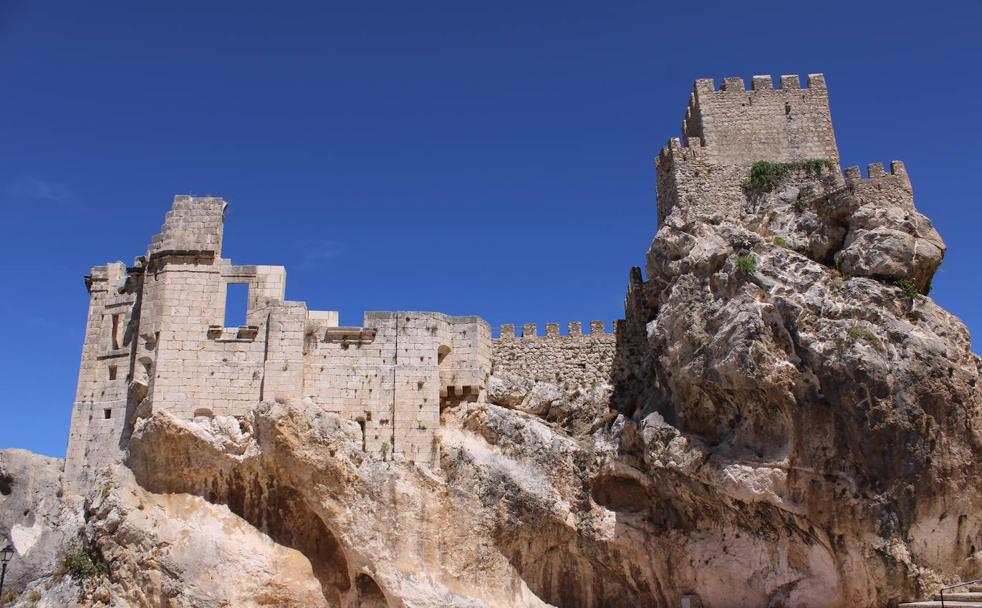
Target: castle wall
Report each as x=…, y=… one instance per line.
x=728, y=129
x=573, y=360
x=348, y=372
x=197, y=369
x=393, y=374
x=740, y=127
x=879, y=186
x=690, y=174
x=100, y=408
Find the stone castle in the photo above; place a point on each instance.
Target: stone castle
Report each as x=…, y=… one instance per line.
x=783, y=417
x=156, y=339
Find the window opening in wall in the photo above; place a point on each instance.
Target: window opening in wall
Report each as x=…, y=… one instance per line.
x=107, y=413
x=112, y=372
x=361, y=423
x=117, y=330
x=236, y=304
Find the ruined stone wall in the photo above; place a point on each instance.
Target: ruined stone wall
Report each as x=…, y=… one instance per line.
x=199, y=366
x=689, y=174
x=192, y=227
x=393, y=374
x=573, y=360
x=100, y=408
x=348, y=372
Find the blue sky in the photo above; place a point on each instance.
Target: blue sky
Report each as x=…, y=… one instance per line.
x=471, y=158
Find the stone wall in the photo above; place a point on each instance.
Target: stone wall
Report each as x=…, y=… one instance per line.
x=573, y=360
x=740, y=126
x=728, y=129
x=393, y=375
x=160, y=325
x=100, y=408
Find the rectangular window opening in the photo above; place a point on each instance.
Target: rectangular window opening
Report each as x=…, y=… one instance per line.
x=112, y=372
x=236, y=304
x=107, y=413
x=117, y=330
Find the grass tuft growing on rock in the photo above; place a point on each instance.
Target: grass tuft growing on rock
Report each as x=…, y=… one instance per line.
x=81, y=560
x=858, y=333
x=780, y=241
x=765, y=175
x=746, y=263
x=909, y=287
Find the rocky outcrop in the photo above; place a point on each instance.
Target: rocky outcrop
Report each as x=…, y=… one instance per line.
x=790, y=421
x=35, y=516
x=844, y=409
x=369, y=528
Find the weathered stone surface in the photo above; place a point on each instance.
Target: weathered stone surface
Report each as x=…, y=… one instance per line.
x=179, y=550
x=305, y=481
x=34, y=516
x=779, y=421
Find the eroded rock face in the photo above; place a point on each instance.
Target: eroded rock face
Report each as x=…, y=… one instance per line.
x=840, y=408
x=369, y=528
x=35, y=518
x=179, y=550
x=790, y=422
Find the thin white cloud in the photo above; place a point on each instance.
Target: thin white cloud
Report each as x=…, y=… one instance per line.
x=39, y=191
x=314, y=252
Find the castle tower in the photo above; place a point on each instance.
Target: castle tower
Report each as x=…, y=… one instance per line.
x=100, y=410
x=158, y=339
x=728, y=129
x=155, y=337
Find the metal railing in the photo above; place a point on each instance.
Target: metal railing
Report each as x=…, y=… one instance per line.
x=956, y=586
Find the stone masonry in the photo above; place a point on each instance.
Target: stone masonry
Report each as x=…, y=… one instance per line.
x=728, y=129
x=576, y=360
x=156, y=339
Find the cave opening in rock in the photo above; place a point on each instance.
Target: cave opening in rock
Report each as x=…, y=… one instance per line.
x=369, y=593
x=283, y=514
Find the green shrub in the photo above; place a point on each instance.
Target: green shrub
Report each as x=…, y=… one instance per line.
x=746, y=263
x=81, y=560
x=780, y=242
x=908, y=286
x=858, y=333
x=765, y=175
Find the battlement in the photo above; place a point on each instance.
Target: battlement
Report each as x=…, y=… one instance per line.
x=735, y=84
x=575, y=359
x=875, y=171
x=738, y=126
x=676, y=150
x=728, y=129
x=574, y=329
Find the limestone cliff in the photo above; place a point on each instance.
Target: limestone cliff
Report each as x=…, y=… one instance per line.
x=787, y=420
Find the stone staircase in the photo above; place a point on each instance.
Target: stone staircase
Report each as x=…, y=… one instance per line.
x=964, y=595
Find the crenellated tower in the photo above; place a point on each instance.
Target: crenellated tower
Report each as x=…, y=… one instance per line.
x=726, y=130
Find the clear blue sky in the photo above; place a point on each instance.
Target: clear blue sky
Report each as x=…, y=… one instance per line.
x=472, y=158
